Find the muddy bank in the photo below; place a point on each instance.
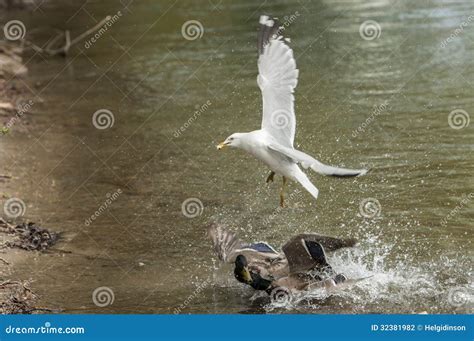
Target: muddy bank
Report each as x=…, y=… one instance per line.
x=26, y=236
x=14, y=94
x=16, y=297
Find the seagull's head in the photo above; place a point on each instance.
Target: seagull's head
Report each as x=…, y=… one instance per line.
x=234, y=140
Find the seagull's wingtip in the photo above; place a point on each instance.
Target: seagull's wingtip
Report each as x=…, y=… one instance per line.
x=265, y=20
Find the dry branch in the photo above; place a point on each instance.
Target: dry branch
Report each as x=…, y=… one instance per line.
x=68, y=42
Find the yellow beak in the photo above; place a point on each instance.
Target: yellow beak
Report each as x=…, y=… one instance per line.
x=221, y=145
x=246, y=275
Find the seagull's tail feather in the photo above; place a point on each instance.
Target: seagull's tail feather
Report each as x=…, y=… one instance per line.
x=308, y=161
x=304, y=181
x=321, y=168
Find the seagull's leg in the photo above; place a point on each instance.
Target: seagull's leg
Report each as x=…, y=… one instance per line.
x=270, y=177
x=282, y=193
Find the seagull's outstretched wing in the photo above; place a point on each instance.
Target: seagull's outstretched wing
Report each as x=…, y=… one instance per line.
x=308, y=161
x=277, y=80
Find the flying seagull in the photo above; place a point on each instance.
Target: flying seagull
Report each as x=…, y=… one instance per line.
x=273, y=143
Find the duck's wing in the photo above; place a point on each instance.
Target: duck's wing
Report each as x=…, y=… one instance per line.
x=329, y=243
x=225, y=243
x=262, y=247
x=277, y=79
x=307, y=252
x=227, y=246
x=316, y=250
x=304, y=255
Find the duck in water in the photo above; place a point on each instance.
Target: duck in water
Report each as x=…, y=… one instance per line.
x=302, y=264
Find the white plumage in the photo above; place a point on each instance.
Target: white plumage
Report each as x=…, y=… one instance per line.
x=273, y=143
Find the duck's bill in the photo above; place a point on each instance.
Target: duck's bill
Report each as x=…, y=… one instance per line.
x=245, y=276
x=221, y=145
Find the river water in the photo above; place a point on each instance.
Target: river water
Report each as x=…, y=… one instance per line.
x=379, y=101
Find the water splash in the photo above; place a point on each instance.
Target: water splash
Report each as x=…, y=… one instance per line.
x=389, y=286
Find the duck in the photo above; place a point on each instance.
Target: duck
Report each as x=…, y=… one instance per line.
x=300, y=265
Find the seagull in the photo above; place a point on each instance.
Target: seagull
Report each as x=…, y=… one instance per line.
x=273, y=143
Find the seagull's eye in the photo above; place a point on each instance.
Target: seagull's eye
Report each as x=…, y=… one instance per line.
x=231, y=139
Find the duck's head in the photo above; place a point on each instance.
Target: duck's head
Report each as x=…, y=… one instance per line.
x=244, y=275
x=241, y=270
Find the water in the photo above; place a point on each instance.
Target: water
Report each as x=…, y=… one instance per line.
x=380, y=103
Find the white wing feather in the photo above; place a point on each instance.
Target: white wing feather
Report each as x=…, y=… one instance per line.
x=277, y=79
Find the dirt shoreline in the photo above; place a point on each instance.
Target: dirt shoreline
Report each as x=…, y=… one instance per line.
x=18, y=240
